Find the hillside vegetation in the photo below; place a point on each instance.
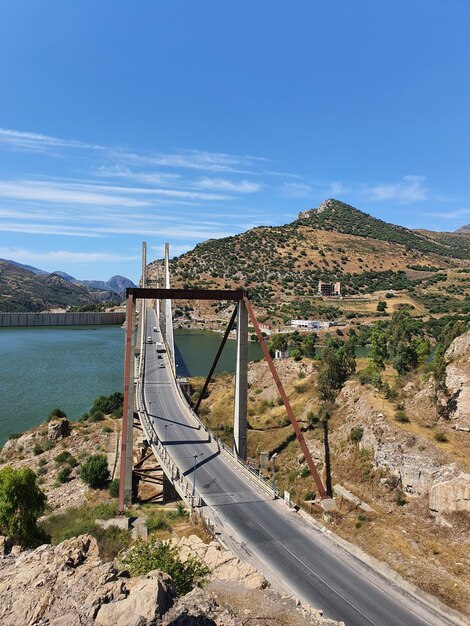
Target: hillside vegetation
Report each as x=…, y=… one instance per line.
x=281, y=266
x=22, y=290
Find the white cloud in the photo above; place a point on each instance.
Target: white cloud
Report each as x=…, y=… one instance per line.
x=410, y=189
x=223, y=184
x=63, y=256
x=297, y=190
x=452, y=215
x=52, y=229
x=37, y=142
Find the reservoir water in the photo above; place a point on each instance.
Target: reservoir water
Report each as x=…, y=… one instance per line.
x=43, y=368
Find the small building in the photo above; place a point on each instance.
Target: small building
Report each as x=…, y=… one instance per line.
x=329, y=290
x=306, y=324
x=281, y=354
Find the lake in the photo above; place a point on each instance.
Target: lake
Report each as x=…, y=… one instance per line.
x=43, y=368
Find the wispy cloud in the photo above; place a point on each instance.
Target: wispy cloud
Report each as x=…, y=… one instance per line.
x=223, y=184
x=410, y=189
x=452, y=215
x=64, y=256
x=36, y=142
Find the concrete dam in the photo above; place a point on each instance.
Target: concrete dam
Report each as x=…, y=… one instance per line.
x=14, y=320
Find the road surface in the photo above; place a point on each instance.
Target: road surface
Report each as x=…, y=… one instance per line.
x=283, y=546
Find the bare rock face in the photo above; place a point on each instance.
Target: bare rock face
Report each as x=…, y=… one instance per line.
x=416, y=463
x=58, y=429
x=458, y=381
x=451, y=496
x=224, y=565
x=68, y=584
x=198, y=608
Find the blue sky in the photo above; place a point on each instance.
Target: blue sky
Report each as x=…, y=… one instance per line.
x=176, y=120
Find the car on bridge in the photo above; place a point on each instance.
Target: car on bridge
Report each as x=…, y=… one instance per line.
x=149, y=340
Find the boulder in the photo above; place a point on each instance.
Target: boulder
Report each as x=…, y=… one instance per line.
x=58, y=429
x=69, y=584
x=451, y=496
x=458, y=381
x=149, y=597
x=198, y=608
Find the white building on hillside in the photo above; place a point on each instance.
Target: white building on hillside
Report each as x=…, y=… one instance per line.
x=306, y=324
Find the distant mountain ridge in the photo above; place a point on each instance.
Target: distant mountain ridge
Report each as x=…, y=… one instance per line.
x=116, y=283
x=25, y=291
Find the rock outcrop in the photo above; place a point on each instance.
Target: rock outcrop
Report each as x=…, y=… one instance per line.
x=451, y=496
x=223, y=564
x=68, y=584
x=198, y=608
x=458, y=381
x=416, y=463
x=58, y=429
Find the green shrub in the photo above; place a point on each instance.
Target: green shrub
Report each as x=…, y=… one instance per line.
x=42, y=462
x=113, y=488
x=156, y=554
x=42, y=470
x=109, y=404
x=157, y=523
x=356, y=434
x=48, y=444
x=55, y=413
x=15, y=435
x=105, y=510
x=301, y=388
x=401, y=417
x=66, y=457
x=310, y=495
x=63, y=476
x=400, y=499
x=37, y=449
x=440, y=436
x=94, y=472
x=107, y=429
x=96, y=416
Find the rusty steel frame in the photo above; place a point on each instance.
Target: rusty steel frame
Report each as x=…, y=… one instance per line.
x=285, y=399
x=127, y=362
x=216, y=360
x=204, y=294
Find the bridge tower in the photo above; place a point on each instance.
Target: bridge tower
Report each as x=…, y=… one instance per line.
x=241, y=383
x=166, y=320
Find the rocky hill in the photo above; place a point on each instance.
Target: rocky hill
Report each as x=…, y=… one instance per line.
x=281, y=266
x=22, y=290
x=401, y=474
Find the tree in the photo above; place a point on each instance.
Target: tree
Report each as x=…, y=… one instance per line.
x=378, y=345
x=22, y=502
x=338, y=363
x=381, y=305
x=94, y=472
x=277, y=342
x=308, y=345
x=405, y=358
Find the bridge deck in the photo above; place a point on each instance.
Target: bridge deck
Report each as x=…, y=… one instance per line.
x=280, y=543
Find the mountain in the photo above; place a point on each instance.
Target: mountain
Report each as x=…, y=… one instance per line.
x=117, y=283
x=65, y=276
x=30, y=268
x=283, y=264
x=23, y=290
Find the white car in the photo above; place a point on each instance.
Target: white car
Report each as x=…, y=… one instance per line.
x=149, y=340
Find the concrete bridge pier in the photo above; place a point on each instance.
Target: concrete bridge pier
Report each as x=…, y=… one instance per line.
x=241, y=383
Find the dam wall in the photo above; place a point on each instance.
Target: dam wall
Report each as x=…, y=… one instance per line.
x=13, y=320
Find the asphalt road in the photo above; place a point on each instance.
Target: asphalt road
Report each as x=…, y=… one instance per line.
x=280, y=543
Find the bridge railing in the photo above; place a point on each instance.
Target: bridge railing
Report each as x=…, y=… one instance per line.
x=228, y=453
x=165, y=459
x=181, y=483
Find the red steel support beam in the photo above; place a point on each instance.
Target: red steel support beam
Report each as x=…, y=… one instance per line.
x=127, y=382
x=285, y=399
